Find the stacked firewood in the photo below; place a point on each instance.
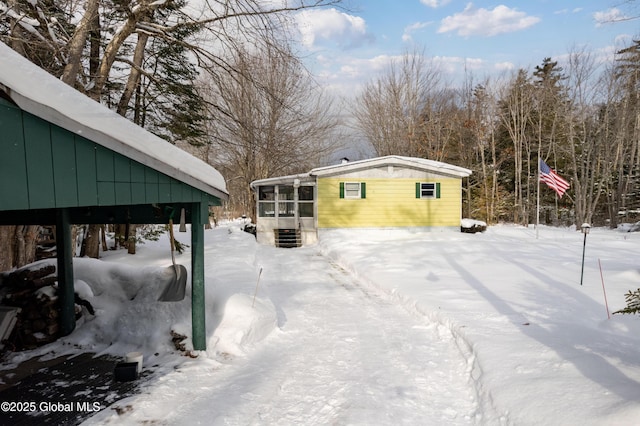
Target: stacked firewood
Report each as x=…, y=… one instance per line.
x=33, y=292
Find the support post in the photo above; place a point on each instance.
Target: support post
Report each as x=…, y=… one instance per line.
x=585, y=230
x=198, y=324
x=65, y=272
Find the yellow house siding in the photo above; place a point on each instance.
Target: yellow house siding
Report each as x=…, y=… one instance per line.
x=388, y=202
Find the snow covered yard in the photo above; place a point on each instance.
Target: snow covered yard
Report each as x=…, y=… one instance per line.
x=542, y=348
x=377, y=327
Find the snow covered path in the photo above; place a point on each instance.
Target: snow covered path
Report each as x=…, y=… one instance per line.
x=340, y=356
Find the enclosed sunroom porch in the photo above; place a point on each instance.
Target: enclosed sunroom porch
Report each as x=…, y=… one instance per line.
x=286, y=209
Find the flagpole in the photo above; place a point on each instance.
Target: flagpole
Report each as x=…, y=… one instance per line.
x=538, y=197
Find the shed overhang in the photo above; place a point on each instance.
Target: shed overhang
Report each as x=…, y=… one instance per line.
x=39, y=93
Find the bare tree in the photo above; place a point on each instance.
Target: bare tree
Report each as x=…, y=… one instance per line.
x=403, y=111
x=489, y=198
x=268, y=119
x=517, y=102
x=623, y=120
x=585, y=143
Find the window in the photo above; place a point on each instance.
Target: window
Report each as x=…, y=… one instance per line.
x=267, y=209
x=267, y=193
x=285, y=209
x=266, y=204
x=279, y=201
x=305, y=201
x=285, y=201
x=285, y=192
x=427, y=190
x=353, y=190
x=305, y=193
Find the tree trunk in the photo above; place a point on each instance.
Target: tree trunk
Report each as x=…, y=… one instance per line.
x=92, y=241
x=77, y=43
x=6, y=247
x=17, y=246
x=134, y=75
x=103, y=237
x=131, y=239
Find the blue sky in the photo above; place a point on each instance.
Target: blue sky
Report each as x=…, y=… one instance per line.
x=346, y=47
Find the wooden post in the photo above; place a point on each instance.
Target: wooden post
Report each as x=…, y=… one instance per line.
x=65, y=272
x=198, y=324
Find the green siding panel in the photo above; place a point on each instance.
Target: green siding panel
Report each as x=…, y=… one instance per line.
x=106, y=193
x=39, y=165
x=138, y=192
x=137, y=172
x=150, y=176
x=151, y=193
x=87, y=172
x=123, y=193
x=104, y=164
x=204, y=209
x=195, y=193
x=122, y=168
x=177, y=191
x=151, y=186
x=214, y=201
x=65, y=178
x=14, y=191
x=45, y=166
x=164, y=192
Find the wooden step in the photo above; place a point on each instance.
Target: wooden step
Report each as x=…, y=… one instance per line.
x=287, y=238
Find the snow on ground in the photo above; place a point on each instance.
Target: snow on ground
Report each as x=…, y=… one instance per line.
x=377, y=327
x=543, y=349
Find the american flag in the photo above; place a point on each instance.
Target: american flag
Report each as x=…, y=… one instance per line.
x=552, y=179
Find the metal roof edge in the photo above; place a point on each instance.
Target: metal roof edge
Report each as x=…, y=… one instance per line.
x=419, y=163
x=278, y=179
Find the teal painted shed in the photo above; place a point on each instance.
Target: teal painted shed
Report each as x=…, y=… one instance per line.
x=66, y=159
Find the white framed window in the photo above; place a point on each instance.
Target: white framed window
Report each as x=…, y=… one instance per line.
x=427, y=190
x=353, y=190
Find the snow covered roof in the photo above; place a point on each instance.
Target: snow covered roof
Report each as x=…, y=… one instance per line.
x=302, y=177
x=395, y=160
x=41, y=94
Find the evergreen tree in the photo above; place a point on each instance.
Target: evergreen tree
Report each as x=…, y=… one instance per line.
x=633, y=303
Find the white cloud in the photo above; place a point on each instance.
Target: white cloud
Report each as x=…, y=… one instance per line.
x=331, y=25
x=345, y=76
x=406, y=36
x=434, y=3
x=567, y=11
x=609, y=16
x=504, y=66
x=484, y=22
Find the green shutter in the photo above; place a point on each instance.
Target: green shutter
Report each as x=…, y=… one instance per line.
x=437, y=189
x=417, y=189
x=363, y=190
x=341, y=189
